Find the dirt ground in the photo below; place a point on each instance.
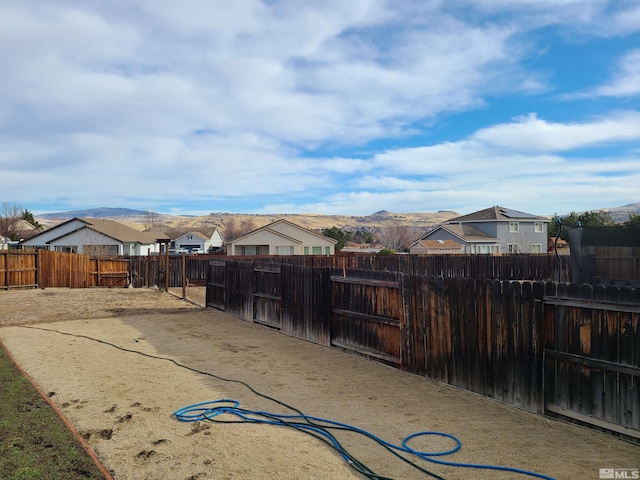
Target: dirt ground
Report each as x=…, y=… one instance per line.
x=122, y=402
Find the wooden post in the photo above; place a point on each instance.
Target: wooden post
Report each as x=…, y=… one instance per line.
x=184, y=273
x=37, y=265
x=97, y=270
x=147, y=265
x=166, y=275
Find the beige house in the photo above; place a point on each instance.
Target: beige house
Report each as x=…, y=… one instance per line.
x=436, y=247
x=282, y=238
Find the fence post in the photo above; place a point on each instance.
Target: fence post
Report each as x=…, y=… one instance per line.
x=184, y=280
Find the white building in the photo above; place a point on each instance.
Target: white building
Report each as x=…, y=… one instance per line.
x=198, y=241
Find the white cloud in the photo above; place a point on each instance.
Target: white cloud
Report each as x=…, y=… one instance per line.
x=625, y=81
x=529, y=133
x=137, y=102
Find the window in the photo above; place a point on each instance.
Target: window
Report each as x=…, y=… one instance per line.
x=486, y=249
x=248, y=250
x=66, y=249
x=538, y=227
x=306, y=250
x=327, y=250
x=316, y=250
x=536, y=248
x=514, y=227
x=284, y=249
x=512, y=248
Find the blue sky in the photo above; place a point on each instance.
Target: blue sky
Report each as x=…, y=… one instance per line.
x=331, y=107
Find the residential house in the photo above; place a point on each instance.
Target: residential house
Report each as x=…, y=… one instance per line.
x=282, y=238
x=198, y=241
x=96, y=237
x=495, y=230
x=436, y=247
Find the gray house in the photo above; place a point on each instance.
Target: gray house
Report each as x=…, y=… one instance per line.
x=495, y=230
x=94, y=236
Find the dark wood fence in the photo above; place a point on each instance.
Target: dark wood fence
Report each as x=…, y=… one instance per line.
x=614, y=264
x=151, y=270
x=47, y=269
x=541, y=346
x=592, y=355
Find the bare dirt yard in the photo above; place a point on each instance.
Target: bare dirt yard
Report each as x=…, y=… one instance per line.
x=122, y=402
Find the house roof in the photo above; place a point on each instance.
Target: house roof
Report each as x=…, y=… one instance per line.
x=466, y=233
x=270, y=226
x=496, y=214
x=200, y=235
x=121, y=232
x=440, y=244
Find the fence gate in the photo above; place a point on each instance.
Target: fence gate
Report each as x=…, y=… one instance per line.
x=217, y=285
x=592, y=363
x=267, y=297
x=365, y=317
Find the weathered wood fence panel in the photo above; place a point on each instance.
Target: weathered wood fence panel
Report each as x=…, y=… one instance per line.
x=485, y=267
x=620, y=264
x=267, y=295
x=478, y=335
x=306, y=309
x=216, y=296
x=510, y=340
x=366, y=314
x=592, y=356
x=239, y=289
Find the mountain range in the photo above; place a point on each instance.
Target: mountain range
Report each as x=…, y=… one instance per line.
x=141, y=219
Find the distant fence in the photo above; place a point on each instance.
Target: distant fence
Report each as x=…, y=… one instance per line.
x=151, y=270
x=559, y=349
x=619, y=265
x=47, y=269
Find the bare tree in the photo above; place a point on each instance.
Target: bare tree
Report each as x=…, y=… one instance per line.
x=150, y=218
x=233, y=230
x=246, y=227
x=230, y=231
x=10, y=216
x=398, y=237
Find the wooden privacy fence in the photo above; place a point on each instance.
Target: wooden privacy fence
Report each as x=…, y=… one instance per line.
x=47, y=269
x=17, y=269
x=592, y=356
x=569, y=350
x=151, y=270
x=621, y=264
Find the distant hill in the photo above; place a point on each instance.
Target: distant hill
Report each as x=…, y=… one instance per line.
x=141, y=220
x=102, y=212
x=621, y=214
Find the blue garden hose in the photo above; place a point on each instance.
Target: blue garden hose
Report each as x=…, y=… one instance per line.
x=321, y=426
